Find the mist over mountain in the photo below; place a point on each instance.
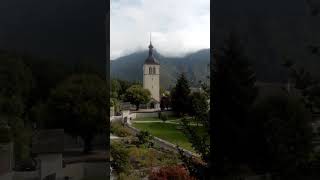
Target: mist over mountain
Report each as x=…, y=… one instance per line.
x=270, y=32
x=194, y=65
x=65, y=31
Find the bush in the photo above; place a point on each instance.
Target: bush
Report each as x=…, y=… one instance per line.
x=120, y=157
x=163, y=117
x=144, y=138
x=119, y=130
x=171, y=172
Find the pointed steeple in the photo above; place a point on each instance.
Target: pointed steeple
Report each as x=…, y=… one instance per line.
x=151, y=59
x=150, y=46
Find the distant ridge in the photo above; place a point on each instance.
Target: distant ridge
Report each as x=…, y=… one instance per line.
x=194, y=65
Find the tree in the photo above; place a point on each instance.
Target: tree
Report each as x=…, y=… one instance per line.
x=233, y=94
x=200, y=141
x=115, y=89
x=164, y=102
x=282, y=134
x=180, y=96
x=137, y=95
x=79, y=105
x=199, y=105
x=16, y=85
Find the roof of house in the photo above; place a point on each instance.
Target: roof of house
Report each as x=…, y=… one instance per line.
x=48, y=141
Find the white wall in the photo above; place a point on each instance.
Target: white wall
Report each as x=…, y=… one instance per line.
x=51, y=164
x=152, y=81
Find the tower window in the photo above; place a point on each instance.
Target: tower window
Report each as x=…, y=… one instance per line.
x=150, y=70
x=154, y=70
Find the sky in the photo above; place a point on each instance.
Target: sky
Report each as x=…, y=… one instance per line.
x=177, y=26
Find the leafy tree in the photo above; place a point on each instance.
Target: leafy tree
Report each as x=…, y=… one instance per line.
x=282, y=134
x=115, y=89
x=164, y=102
x=79, y=105
x=137, y=95
x=302, y=80
x=199, y=105
x=180, y=96
x=16, y=85
x=232, y=97
x=200, y=141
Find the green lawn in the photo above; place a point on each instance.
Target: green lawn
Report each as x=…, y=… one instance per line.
x=166, y=131
x=170, y=118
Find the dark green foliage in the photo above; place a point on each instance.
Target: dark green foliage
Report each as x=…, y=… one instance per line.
x=137, y=95
x=163, y=117
x=302, y=80
x=118, y=129
x=282, y=136
x=200, y=141
x=144, y=138
x=16, y=85
x=5, y=132
x=180, y=96
x=120, y=157
x=233, y=93
x=79, y=105
x=199, y=104
x=165, y=102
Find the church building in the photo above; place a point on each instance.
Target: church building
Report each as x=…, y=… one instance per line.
x=151, y=78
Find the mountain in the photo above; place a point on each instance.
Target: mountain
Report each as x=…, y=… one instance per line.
x=270, y=31
x=194, y=65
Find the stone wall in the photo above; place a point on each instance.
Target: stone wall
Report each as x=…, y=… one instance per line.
x=153, y=114
x=26, y=175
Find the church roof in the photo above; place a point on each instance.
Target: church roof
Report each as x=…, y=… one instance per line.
x=151, y=59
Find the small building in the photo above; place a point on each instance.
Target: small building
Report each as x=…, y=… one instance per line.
x=47, y=147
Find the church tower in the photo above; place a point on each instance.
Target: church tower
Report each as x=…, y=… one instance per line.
x=151, y=75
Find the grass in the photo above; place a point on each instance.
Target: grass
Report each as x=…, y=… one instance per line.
x=166, y=131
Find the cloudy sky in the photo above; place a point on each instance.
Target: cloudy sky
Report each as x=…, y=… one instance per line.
x=177, y=26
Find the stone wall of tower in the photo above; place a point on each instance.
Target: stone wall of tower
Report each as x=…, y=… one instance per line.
x=152, y=81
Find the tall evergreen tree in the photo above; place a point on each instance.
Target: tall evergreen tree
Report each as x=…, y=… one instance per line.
x=180, y=96
x=233, y=93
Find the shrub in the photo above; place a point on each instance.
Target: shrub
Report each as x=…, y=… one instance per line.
x=144, y=138
x=125, y=176
x=118, y=129
x=120, y=157
x=163, y=117
x=177, y=172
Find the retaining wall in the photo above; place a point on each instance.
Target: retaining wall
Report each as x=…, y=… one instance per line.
x=152, y=114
